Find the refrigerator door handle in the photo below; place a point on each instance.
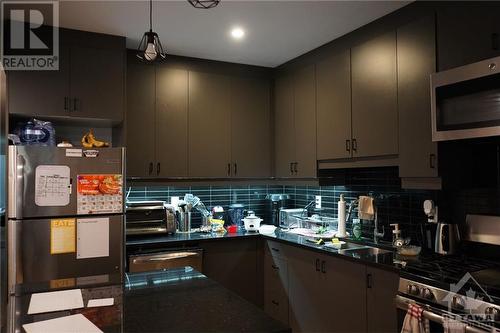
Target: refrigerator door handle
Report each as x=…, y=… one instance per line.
x=16, y=183
x=13, y=255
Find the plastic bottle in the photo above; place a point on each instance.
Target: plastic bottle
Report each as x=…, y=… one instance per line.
x=356, y=229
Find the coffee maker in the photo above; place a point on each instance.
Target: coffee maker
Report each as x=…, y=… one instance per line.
x=274, y=203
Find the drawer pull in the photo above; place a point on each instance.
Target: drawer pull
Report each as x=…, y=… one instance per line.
x=275, y=302
x=323, y=266
x=275, y=249
x=317, y=265
x=275, y=267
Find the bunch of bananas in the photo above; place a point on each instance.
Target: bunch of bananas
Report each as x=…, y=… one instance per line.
x=89, y=141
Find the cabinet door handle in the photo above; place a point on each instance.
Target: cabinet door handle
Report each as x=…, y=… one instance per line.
x=317, y=265
x=275, y=267
x=150, y=168
x=275, y=249
x=66, y=104
x=229, y=169
x=348, y=145
x=291, y=168
x=158, y=168
x=432, y=161
x=323, y=267
x=275, y=302
x=75, y=102
x=369, y=281
x=235, y=169
x=354, y=145
x=296, y=167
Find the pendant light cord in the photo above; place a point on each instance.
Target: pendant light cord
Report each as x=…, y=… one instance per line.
x=150, y=15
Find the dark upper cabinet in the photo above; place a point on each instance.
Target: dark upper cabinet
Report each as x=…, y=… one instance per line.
x=140, y=130
x=284, y=126
x=333, y=106
x=97, y=83
x=416, y=61
x=250, y=127
x=41, y=93
x=374, y=97
x=90, y=82
x=467, y=32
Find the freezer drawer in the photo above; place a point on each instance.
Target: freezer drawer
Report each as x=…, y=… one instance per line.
x=43, y=181
x=40, y=252
x=168, y=259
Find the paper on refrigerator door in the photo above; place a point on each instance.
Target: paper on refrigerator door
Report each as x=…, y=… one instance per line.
x=55, y=301
x=69, y=324
x=52, y=185
x=93, y=303
x=99, y=194
x=92, y=238
x=62, y=236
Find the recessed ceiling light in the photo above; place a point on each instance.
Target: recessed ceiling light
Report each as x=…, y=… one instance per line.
x=237, y=33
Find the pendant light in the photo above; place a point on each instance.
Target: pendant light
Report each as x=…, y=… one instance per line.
x=204, y=4
x=150, y=48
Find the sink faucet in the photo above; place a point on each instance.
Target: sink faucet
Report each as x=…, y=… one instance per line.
x=352, y=204
x=376, y=233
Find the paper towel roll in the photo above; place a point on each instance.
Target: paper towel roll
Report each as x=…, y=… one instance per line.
x=341, y=215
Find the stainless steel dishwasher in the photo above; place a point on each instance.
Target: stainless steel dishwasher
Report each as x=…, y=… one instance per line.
x=174, y=258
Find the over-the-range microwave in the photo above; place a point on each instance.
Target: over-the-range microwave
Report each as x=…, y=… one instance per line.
x=465, y=101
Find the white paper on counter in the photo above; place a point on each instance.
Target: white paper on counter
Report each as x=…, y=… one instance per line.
x=93, y=303
x=55, y=301
x=92, y=237
x=69, y=324
x=52, y=185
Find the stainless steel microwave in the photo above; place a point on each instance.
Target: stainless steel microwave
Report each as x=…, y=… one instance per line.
x=465, y=101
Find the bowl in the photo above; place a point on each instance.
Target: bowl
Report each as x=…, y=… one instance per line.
x=409, y=250
x=267, y=229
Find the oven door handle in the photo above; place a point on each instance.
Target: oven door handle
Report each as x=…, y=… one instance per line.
x=139, y=259
x=403, y=302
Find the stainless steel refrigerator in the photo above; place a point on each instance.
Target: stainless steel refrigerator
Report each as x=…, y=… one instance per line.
x=65, y=216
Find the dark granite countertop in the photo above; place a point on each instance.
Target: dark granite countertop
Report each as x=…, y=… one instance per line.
x=176, y=300
x=185, y=238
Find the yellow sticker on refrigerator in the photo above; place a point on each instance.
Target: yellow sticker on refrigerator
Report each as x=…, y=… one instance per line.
x=62, y=236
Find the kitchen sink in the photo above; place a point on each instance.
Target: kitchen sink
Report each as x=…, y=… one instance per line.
x=364, y=250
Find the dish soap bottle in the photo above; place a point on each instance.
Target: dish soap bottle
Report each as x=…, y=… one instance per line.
x=356, y=229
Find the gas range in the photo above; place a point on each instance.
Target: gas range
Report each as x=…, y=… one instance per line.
x=458, y=287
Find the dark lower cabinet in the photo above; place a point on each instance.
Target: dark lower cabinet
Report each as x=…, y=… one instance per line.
x=382, y=287
x=236, y=264
x=468, y=31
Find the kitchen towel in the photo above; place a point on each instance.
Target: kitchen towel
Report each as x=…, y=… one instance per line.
x=366, y=208
x=453, y=326
x=414, y=321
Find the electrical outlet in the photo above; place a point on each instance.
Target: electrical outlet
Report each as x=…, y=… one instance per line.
x=318, y=202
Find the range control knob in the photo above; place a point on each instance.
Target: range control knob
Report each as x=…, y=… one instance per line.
x=458, y=302
x=413, y=289
x=428, y=294
x=493, y=313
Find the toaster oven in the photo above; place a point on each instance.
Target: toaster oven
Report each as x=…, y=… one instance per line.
x=149, y=218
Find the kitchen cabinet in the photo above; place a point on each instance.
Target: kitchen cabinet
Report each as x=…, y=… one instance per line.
x=156, y=120
x=171, y=122
x=416, y=57
x=97, y=83
x=235, y=265
x=276, y=289
x=467, y=32
x=295, y=124
x=284, y=126
x=209, y=125
x=326, y=294
x=333, y=98
x=374, y=97
x=141, y=118
x=90, y=82
x=41, y=93
x=382, y=287
x=250, y=127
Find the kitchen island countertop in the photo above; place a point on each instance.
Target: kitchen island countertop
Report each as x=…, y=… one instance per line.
x=174, y=300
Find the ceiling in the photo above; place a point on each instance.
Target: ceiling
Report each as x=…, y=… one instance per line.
x=275, y=31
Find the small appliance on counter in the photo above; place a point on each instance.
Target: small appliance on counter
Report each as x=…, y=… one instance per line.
x=252, y=222
x=235, y=214
x=274, y=204
x=447, y=238
x=291, y=218
x=150, y=218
